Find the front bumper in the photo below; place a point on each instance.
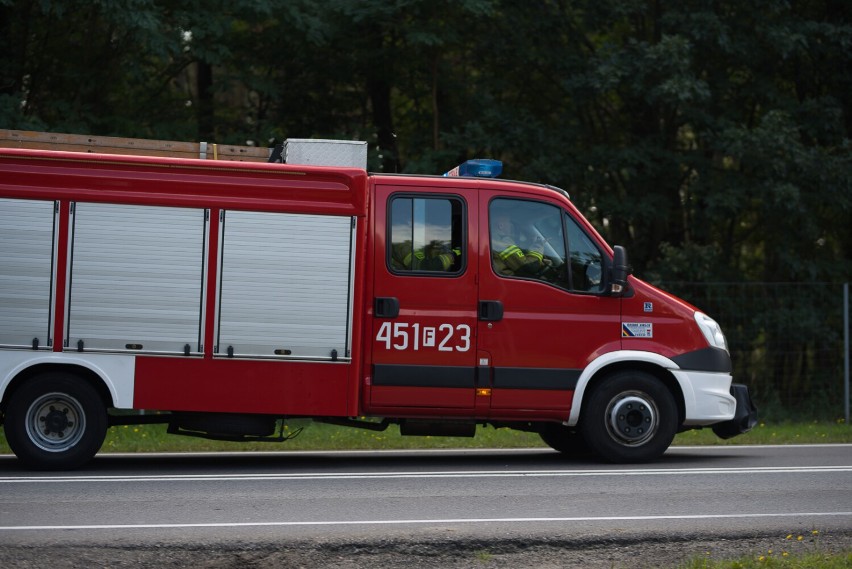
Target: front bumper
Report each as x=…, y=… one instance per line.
x=745, y=416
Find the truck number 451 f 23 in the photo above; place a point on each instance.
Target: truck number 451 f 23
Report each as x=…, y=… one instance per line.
x=414, y=336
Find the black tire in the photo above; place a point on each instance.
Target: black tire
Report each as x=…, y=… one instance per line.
x=55, y=421
x=566, y=440
x=630, y=416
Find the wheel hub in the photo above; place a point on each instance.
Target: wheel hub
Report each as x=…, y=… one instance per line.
x=55, y=422
x=632, y=419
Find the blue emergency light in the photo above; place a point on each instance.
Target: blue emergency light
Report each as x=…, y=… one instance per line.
x=479, y=167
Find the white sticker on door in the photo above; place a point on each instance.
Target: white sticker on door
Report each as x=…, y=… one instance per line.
x=637, y=330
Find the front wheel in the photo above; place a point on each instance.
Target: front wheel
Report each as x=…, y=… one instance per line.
x=629, y=417
x=55, y=421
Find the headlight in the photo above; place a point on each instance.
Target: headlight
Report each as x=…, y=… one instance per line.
x=711, y=330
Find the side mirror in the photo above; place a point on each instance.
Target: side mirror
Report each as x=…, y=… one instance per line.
x=620, y=270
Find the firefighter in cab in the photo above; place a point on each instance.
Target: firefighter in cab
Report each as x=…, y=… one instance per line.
x=507, y=257
x=435, y=257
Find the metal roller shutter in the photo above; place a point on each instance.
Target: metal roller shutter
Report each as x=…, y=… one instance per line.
x=26, y=262
x=285, y=285
x=136, y=278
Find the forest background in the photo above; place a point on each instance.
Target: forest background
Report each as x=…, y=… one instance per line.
x=711, y=138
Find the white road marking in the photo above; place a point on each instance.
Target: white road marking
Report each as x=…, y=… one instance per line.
x=427, y=474
x=426, y=521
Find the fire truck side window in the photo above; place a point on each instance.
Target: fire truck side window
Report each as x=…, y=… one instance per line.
x=426, y=235
x=586, y=259
x=527, y=241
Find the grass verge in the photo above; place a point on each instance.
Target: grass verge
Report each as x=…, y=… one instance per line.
x=796, y=551
x=808, y=561
x=317, y=436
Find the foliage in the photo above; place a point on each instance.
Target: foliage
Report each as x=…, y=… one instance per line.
x=701, y=126
x=710, y=138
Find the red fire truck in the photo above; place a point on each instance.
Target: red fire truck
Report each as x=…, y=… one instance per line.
x=226, y=297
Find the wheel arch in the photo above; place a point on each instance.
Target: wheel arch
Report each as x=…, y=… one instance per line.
x=653, y=364
x=85, y=373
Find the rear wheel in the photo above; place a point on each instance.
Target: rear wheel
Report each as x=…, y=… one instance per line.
x=55, y=421
x=630, y=417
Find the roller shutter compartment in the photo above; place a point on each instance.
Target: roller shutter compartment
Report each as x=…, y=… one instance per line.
x=136, y=278
x=285, y=285
x=26, y=265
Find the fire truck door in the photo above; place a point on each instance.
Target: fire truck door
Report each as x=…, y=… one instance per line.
x=425, y=300
x=546, y=273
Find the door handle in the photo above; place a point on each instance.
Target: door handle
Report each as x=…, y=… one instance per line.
x=490, y=310
x=386, y=307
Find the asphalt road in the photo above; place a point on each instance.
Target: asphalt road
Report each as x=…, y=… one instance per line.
x=481, y=497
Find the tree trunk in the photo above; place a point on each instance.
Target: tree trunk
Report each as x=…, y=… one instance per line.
x=379, y=92
x=205, y=109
